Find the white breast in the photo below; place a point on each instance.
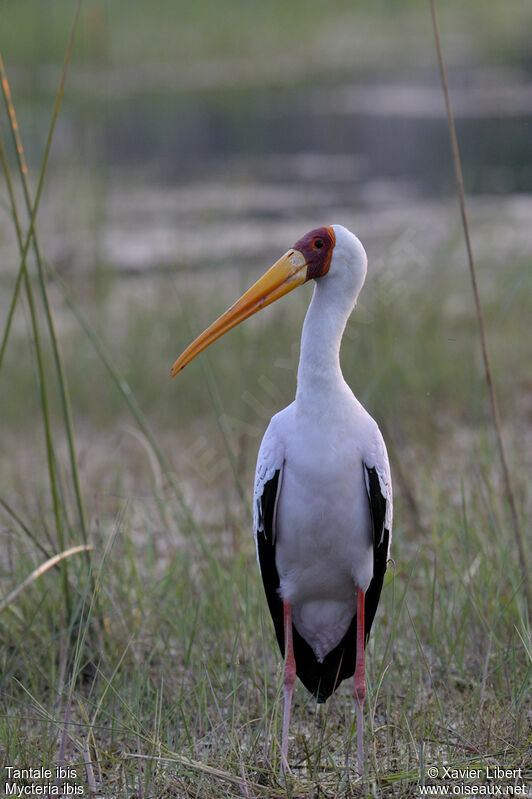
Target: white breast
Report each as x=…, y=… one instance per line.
x=323, y=524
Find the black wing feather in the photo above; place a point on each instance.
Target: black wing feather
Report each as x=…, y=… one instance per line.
x=381, y=538
x=321, y=679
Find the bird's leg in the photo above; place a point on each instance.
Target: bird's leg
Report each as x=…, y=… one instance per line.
x=359, y=687
x=289, y=680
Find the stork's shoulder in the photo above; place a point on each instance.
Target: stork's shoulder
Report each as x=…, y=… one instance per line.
x=270, y=458
x=272, y=448
x=376, y=458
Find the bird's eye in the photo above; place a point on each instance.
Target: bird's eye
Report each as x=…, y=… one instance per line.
x=318, y=244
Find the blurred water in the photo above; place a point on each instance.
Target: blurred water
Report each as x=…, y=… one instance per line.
x=344, y=134
x=204, y=178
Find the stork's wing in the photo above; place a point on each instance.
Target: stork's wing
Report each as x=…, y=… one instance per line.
x=268, y=482
x=270, y=463
x=320, y=678
x=379, y=488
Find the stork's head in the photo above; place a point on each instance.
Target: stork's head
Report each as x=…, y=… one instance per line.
x=330, y=253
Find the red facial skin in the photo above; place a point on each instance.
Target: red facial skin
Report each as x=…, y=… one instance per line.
x=317, y=247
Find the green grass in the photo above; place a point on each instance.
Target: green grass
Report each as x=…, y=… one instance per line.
x=160, y=675
x=181, y=657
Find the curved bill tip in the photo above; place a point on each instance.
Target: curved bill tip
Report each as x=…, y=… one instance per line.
x=176, y=368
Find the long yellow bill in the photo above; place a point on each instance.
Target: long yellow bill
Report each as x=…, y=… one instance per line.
x=289, y=272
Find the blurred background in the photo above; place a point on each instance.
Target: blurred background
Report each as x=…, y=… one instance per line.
x=195, y=143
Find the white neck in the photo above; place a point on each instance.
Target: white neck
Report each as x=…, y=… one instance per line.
x=319, y=370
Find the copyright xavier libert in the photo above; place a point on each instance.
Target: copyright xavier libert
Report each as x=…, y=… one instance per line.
x=488, y=781
x=41, y=781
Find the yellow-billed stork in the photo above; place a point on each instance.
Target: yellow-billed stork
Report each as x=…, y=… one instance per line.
x=323, y=492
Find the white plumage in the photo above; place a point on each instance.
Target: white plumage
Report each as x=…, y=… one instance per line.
x=323, y=493
x=320, y=443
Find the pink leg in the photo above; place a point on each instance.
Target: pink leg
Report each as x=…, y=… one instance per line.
x=359, y=687
x=289, y=680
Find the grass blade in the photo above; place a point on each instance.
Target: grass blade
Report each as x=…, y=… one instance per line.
x=39, y=571
x=43, y=397
x=24, y=247
x=479, y=312
x=23, y=170
x=14, y=515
